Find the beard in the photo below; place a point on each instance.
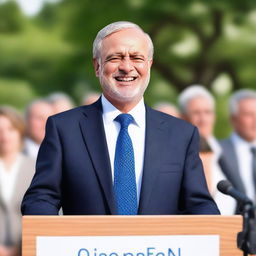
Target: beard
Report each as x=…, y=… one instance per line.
x=123, y=94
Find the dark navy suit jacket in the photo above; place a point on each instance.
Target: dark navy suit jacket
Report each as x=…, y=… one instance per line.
x=73, y=168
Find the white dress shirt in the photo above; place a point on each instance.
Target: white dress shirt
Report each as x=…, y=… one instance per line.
x=225, y=203
x=244, y=157
x=136, y=131
x=31, y=148
x=8, y=178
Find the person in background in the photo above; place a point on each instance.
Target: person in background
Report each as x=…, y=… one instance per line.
x=167, y=108
x=238, y=159
x=60, y=102
x=36, y=115
x=118, y=156
x=197, y=106
x=16, y=171
x=90, y=98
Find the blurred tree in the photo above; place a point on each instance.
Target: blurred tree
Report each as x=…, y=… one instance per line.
x=35, y=54
x=195, y=41
x=16, y=93
x=12, y=20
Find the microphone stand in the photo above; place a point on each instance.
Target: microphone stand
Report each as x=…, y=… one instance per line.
x=246, y=239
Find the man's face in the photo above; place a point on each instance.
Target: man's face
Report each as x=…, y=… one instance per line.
x=200, y=112
x=124, y=66
x=244, y=121
x=61, y=105
x=38, y=115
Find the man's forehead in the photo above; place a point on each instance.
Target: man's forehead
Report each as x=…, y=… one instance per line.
x=122, y=42
x=247, y=104
x=130, y=36
x=248, y=100
x=126, y=52
x=201, y=99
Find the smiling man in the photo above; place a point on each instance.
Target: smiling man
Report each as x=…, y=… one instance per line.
x=118, y=156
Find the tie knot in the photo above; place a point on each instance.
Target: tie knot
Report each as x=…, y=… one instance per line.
x=253, y=150
x=124, y=120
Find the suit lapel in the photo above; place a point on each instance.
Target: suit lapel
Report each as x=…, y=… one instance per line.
x=155, y=136
x=232, y=170
x=92, y=128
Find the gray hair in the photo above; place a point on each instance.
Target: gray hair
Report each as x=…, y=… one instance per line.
x=161, y=104
x=237, y=97
x=114, y=27
x=192, y=92
x=90, y=97
x=59, y=96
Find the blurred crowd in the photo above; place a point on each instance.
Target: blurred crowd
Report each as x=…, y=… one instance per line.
x=20, y=139
x=233, y=158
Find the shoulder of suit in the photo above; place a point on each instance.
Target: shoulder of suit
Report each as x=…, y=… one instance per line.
x=73, y=114
x=225, y=142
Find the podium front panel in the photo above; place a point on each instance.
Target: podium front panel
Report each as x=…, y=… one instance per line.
x=226, y=227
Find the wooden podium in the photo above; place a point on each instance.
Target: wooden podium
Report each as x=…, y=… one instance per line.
x=226, y=227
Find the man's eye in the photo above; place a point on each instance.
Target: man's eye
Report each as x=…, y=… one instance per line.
x=138, y=58
x=114, y=59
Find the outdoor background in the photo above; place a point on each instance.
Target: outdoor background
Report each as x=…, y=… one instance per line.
x=47, y=47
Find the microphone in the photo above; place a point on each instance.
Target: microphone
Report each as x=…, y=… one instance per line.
x=226, y=187
x=246, y=239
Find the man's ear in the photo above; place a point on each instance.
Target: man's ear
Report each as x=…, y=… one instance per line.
x=96, y=66
x=150, y=62
x=232, y=119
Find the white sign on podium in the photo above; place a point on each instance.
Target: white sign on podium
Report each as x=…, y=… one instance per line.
x=178, y=245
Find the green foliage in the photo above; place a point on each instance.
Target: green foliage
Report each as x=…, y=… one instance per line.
x=195, y=42
x=223, y=126
x=12, y=21
x=16, y=93
x=37, y=56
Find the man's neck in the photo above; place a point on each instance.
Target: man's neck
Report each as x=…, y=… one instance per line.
x=123, y=107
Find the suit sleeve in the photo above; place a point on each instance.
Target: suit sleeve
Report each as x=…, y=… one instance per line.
x=195, y=197
x=43, y=197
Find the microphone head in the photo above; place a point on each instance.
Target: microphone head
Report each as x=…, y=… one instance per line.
x=224, y=186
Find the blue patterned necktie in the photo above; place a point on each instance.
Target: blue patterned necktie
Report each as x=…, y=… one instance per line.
x=124, y=170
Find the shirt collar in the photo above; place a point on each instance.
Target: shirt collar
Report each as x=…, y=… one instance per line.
x=214, y=144
x=239, y=140
x=110, y=112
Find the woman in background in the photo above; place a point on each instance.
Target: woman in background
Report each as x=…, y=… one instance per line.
x=16, y=171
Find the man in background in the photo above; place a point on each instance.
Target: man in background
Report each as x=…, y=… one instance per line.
x=90, y=98
x=238, y=160
x=168, y=108
x=197, y=106
x=36, y=115
x=60, y=102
